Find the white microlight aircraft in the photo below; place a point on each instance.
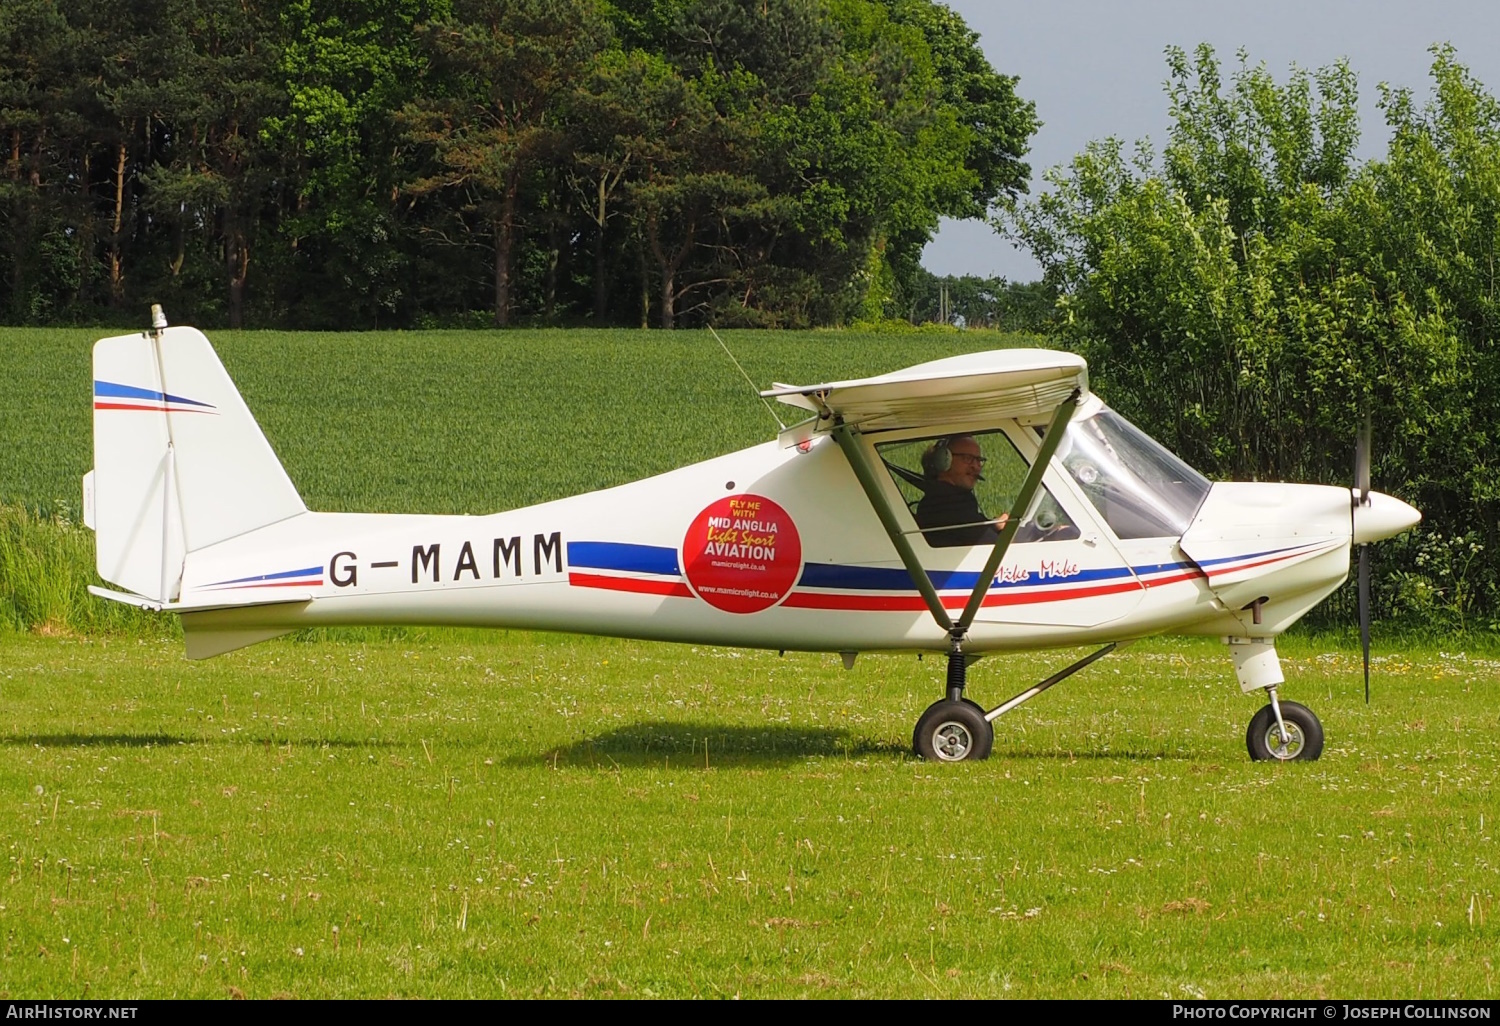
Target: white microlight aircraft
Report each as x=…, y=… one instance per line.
x=821, y=540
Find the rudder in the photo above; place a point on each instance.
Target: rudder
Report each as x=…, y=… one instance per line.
x=179, y=461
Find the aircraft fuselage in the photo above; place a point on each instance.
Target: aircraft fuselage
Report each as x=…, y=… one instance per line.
x=769, y=547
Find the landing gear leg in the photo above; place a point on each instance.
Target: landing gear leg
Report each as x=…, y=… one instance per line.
x=958, y=671
x=1284, y=731
x=932, y=720
x=954, y=729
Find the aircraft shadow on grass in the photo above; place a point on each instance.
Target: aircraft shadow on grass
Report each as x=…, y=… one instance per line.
x=662, y=743
x=1092, y=755
x=651, y=743
x=95, y=740
x=75, y=740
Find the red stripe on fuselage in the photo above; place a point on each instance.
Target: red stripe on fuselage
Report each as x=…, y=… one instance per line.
x=633, y=584
x=904, y=603
x=1174, y=579
x=1248, y=566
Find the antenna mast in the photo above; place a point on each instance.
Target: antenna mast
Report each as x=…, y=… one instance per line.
x=748, y=381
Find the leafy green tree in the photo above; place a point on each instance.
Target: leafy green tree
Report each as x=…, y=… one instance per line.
x=972, y=301
x=1424, y=228
x=1176, y=271
x=1250, y=296
x=41, y=86
x=502, y=71
x=998, y=123
x=614, y=114
x=704, y=204
x=978, y=134
x=339, y=162
x=836, y=150
x=216, y=178
x=349, y=66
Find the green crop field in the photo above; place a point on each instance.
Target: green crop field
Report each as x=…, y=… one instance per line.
x=454, y=421
x=451, y=813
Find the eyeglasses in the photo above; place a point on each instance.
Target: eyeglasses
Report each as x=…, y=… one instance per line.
x=969, y=456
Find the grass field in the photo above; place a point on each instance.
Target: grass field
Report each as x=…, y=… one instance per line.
x=510, y=814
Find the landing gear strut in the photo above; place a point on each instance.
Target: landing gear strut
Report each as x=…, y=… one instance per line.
x=955, y=729
x=949, y=732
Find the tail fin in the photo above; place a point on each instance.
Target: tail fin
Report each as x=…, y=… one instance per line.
x=179, y=462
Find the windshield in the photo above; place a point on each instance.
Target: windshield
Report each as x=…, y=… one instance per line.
x=1140, y=488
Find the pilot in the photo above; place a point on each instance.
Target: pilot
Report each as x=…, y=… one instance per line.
x=952, y=467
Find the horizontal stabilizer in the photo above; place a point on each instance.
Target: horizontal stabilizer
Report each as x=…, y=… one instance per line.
x=128, y=598
x=193, y=607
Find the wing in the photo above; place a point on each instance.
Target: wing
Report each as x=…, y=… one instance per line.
x=1021, y=383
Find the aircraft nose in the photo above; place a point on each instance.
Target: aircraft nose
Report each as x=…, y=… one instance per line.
x=1383, y=517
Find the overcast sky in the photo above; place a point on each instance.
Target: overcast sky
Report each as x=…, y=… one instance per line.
x=1096, y=69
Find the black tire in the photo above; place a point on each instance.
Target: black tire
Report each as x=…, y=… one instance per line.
x=1305, y=732
x=953, y=732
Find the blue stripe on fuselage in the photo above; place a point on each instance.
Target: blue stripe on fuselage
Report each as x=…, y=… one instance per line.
x=1257, y=555
x=640, y=559
x=658, y=559
x=873, y=578
x=306, y=572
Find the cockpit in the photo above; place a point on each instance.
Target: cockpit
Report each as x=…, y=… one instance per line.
x=1138, y=486
x=956, y=486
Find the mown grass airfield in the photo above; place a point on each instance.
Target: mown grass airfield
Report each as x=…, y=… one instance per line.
x=489, y=814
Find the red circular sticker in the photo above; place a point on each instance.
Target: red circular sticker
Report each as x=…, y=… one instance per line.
x=742, y=554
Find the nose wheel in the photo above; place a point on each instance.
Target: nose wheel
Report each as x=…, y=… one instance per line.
x=1302, y=742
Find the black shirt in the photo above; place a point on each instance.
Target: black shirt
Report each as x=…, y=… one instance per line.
x=945, y=504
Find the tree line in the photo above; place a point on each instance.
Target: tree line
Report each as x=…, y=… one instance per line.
x=384, y=163
x=1251, y=293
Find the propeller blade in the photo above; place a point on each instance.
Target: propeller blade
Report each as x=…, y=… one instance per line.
x=1362, y=461
x=1364, y=613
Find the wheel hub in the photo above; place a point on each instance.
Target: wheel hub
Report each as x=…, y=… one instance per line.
x=952, y=742
x=1288, y=749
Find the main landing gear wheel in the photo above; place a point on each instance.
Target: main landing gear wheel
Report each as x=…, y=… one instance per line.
x=1304, y=735
x=953, y=732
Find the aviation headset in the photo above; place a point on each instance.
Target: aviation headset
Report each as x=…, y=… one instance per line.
x=938, y=457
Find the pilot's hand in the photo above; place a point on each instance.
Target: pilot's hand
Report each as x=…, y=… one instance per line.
x=1001, y=521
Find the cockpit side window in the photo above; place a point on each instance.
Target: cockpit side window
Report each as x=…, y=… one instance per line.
x=958, y=485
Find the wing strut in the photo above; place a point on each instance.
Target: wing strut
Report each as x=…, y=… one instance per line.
x=848, y=440
x=1029, y=488
x=864, y=471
